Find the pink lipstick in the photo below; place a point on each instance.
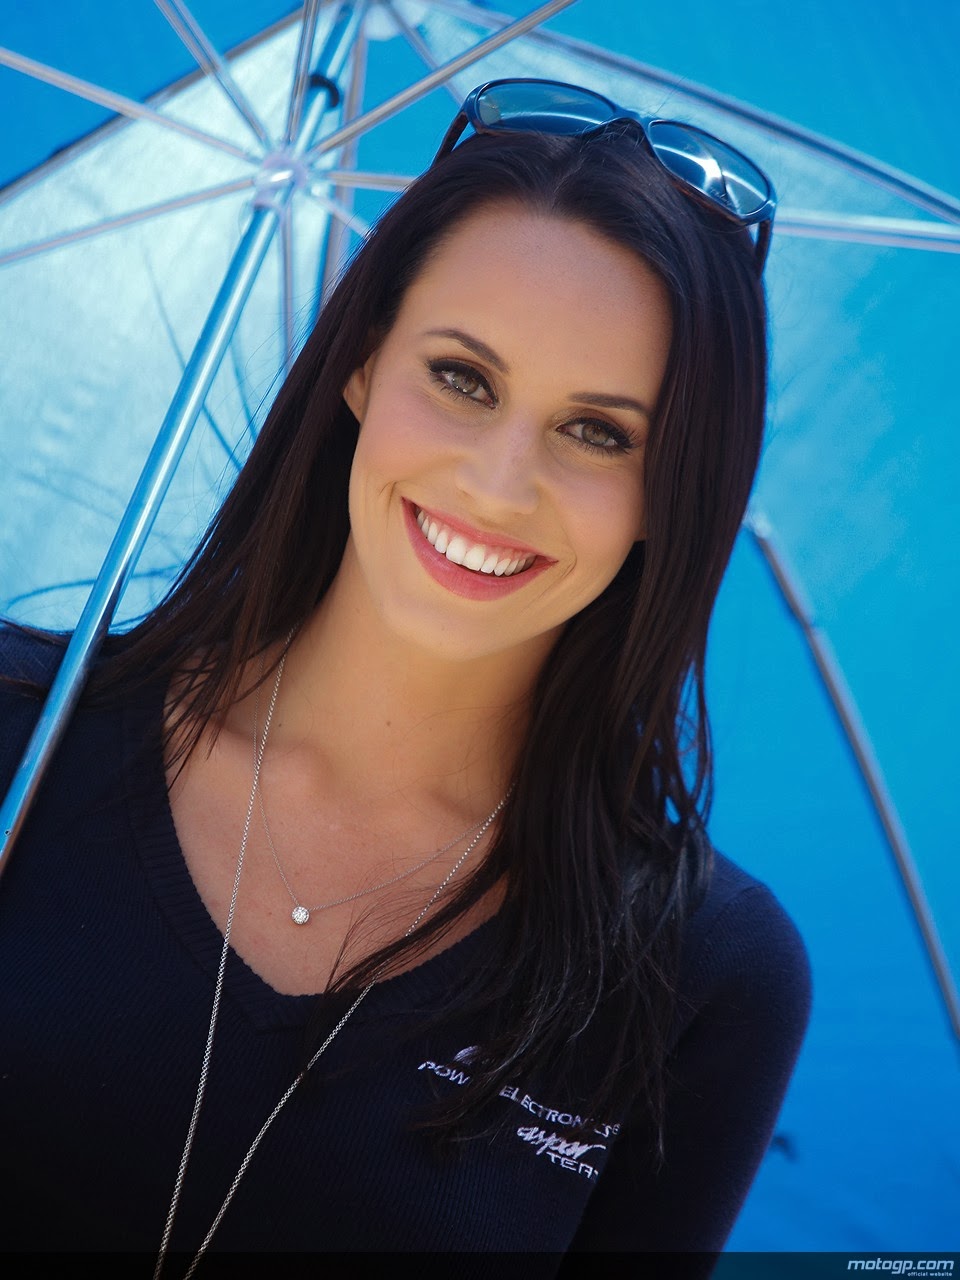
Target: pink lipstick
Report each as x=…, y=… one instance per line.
x=471, y=583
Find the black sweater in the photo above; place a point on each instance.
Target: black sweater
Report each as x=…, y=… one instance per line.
x=107, y=965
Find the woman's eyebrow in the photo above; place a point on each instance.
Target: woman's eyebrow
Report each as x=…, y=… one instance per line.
x=472, y=344
x=604, y=401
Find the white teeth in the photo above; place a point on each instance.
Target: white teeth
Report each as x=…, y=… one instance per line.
x=456, y=548
x=475, y=556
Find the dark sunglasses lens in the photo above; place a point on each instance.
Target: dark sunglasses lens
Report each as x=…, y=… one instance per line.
x=709, y=166
x=536, y=106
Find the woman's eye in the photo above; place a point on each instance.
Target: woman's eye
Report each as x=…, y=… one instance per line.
x=598, y=435
x=462, y=380
x=468, y=384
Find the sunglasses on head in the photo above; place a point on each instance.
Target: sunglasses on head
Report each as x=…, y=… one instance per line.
x=710, y=170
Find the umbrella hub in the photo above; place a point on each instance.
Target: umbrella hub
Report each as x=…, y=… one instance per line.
x=280, y=172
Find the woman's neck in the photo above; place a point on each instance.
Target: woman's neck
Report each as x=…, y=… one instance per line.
x=381, y=717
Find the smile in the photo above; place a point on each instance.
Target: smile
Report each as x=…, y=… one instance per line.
x=479, y=557
x=448, y=550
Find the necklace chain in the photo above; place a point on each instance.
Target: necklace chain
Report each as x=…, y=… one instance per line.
x=300, y=915
x=481, y=831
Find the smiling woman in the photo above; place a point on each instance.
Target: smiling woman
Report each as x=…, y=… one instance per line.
x=393, y=803
x=480, y=447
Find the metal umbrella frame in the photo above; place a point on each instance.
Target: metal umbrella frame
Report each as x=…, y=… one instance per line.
x=314, y=158
x=281, y=170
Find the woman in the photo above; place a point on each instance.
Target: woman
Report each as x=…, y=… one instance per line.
x=410, y=732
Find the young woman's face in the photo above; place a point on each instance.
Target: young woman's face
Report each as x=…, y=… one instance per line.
x=497, y=485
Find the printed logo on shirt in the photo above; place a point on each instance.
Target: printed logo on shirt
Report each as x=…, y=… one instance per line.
x=546, y=1140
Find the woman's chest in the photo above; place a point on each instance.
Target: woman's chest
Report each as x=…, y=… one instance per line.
x=96, y=1124
x=312, y=885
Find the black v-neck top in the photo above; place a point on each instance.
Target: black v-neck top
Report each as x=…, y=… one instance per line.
x=107, y=966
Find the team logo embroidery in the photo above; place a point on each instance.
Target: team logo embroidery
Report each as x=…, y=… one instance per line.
x=546, y=1140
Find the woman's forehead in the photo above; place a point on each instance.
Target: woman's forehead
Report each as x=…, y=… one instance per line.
x=529, y=284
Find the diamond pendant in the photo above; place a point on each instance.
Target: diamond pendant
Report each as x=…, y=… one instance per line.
x=299, y=915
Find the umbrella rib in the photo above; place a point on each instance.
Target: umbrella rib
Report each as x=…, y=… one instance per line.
x=116, y=102
x=336, y=239
x=285, y=233
x=365, y=179
x=855, y=732
x=419, y=46
x=195, y=40
x=422, y=87
x=900, y=233
x=301, y=75
x=919, y=193
x=346, y=216
x=123, y=220
x=471, y=13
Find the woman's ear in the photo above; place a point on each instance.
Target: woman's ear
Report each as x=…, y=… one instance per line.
x=357, y=390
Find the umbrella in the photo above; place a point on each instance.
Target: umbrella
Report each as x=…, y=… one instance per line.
x=161, y=270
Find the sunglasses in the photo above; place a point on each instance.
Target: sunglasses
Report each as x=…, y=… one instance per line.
x=709, y=169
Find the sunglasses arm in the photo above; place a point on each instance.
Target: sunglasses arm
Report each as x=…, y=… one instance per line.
x=764, y=232
x=451, y=137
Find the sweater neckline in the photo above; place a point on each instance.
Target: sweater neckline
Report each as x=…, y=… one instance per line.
x=154, y=837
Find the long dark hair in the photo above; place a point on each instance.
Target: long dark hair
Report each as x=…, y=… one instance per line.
x=601, y=843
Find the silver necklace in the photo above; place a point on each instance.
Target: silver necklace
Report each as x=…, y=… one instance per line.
x=301, y=914
x=218, y=992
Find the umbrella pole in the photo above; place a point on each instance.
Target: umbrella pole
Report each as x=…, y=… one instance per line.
x=858, y=740
x=138, y=518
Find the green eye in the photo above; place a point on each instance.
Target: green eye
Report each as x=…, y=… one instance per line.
x=461, y=379
x=600, y=437
x=594, y=433
x=467, y=384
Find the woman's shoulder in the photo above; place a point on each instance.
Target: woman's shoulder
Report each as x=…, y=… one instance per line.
x=28, y=663
x=734, y=898
x=28, y=658
x=742, y=951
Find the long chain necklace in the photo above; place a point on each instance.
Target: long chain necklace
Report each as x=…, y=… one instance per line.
x=218, y=992
x=301, y=914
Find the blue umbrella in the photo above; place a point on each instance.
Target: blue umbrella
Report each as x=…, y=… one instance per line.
x=173, y=254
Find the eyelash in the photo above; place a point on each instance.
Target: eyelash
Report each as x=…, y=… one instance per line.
x=439, y=368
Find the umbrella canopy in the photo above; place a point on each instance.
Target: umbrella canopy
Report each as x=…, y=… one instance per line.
x=842, y=590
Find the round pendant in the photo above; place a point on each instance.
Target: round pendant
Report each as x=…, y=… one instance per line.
x=299, y=915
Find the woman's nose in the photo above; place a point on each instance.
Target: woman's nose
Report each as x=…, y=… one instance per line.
x=500, y=472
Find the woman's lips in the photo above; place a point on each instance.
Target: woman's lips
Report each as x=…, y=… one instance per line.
x=480, y=555
x=477, y=535
x=449, y=550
